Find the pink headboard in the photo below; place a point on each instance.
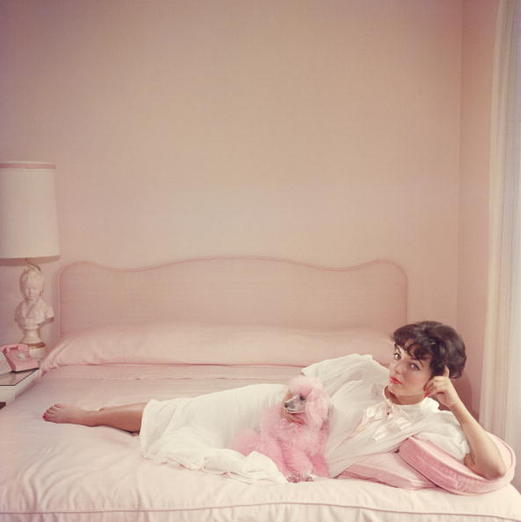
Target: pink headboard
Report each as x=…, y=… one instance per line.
x=238, y=290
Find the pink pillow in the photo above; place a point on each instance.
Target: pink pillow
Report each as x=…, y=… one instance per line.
x=451, y=474
x=387, y=468
x=190, y=343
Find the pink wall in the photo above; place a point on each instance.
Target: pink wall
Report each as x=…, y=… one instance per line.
x=317, y=130
x=479, y=28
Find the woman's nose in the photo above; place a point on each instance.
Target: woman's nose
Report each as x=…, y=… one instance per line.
x=398, y=368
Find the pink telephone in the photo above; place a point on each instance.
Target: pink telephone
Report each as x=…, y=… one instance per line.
x=19, y=358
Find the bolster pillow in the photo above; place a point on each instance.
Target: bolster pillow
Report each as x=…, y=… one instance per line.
x=387, y=468
x=448, y=473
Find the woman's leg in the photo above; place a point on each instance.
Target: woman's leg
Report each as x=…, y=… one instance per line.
x=127, y=417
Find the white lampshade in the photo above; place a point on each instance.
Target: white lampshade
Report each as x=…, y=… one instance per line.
x=28, y=224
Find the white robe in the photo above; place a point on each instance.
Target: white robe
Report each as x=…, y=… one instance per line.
x=196, y=432
x=363, y=421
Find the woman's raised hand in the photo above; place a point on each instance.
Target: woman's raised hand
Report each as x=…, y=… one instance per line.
x=441, y=388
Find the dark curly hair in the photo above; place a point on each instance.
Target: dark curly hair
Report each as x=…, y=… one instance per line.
x=436, y=340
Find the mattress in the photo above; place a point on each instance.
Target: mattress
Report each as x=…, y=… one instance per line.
x=65, y=472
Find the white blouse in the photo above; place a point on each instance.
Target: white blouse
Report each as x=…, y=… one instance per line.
x=363, y=421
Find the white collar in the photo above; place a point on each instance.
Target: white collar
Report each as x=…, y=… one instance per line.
x=426, y=404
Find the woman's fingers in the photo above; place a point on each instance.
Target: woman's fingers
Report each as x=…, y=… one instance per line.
x=291, y=417
x=436, y=383
x=442, y=389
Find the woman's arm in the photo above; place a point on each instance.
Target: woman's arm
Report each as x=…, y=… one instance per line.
x=484, y=458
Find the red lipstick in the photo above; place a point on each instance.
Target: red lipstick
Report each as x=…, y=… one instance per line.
x=394, y=380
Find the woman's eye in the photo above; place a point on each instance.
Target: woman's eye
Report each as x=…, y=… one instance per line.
x=396, y=355
x=414, y=366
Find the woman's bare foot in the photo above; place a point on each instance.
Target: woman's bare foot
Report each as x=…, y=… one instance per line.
x=126, y=417
x=64, y=413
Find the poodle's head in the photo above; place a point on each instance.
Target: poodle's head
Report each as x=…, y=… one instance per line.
x=307, y=396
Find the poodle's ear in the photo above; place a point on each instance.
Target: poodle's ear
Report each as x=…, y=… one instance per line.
x=317, y=407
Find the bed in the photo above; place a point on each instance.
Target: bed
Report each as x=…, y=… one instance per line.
x=187, y=328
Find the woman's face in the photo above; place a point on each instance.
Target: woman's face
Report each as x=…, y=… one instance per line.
x=408, y=376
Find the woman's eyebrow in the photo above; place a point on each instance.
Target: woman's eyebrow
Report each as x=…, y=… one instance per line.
x=417, y=359
x=398, y=347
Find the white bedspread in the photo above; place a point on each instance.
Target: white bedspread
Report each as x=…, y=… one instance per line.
x=59, y=472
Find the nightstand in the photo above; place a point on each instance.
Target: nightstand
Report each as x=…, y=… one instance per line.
x=13, y=384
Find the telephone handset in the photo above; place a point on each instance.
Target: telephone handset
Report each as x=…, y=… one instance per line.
x=19, y=358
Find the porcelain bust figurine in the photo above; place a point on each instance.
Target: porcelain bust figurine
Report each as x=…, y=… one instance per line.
x=33, y=311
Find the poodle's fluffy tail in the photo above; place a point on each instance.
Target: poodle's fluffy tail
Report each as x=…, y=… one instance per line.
x=264, y=442
x=245, y=441
x=263, y=439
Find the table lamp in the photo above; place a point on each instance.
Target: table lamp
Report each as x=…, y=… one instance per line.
x=29, y=229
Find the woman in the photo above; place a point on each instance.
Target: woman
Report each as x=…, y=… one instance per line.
x=374, y=409
x=426, y=355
